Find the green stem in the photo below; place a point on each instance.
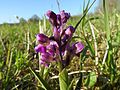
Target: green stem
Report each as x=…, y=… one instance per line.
x=60, y=66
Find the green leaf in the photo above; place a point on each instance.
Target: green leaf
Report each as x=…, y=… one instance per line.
x=71, y=85
x=79, y=83
x=92, y=18
x=83, y=54
x=91, y=79
x=1, y=75
x=63, y=80
x=41, y=80
x=40, y=88
x=90, y=47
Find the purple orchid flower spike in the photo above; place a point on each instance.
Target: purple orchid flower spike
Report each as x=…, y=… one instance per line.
x=58, y=47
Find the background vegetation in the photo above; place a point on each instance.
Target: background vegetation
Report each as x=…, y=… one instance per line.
x=99, y=62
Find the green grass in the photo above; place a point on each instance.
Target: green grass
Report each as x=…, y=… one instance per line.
x=100, y=34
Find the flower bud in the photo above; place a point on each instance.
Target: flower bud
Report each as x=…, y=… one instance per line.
x=59, y=19
x=52, y=17
x=64, y=16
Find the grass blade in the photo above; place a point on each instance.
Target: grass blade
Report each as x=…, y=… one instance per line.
x=41, y=80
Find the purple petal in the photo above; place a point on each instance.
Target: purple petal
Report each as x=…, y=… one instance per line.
x=42, y=38
x=46, y=57
x=53, y=48
x=65, y=37
x=40, y=48
x=70, y=30
x=56, y=34
x=59, y=19
x=54, y=43
x=79, y=47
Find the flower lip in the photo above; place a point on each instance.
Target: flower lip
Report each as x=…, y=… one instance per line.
x=70, y=30
x=79, y=47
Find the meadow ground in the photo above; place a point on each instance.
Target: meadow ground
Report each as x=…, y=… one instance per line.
x=99, y=62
